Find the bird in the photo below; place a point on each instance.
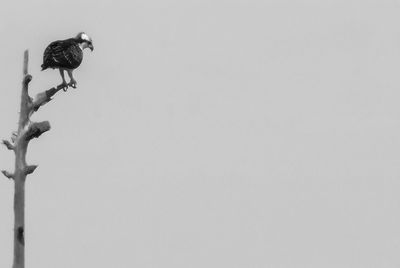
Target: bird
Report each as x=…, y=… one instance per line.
x=66, y=55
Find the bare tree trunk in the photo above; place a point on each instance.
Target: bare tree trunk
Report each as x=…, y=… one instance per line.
x=27, y=130
x=20, y=176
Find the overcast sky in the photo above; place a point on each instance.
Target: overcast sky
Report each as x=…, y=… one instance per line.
x=237, y=134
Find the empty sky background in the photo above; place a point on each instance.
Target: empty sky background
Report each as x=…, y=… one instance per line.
x=240, y=134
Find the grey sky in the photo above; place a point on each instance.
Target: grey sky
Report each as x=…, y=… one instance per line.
x=240, y=134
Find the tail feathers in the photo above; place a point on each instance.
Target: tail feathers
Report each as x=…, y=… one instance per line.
x=44, y=67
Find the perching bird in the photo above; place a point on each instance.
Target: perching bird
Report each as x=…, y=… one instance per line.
x=66, y=55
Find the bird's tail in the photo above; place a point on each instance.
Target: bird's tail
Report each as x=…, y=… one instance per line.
x=44, y=67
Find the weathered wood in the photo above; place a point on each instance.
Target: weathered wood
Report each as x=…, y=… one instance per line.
x=20, y=139
x=27, y=130
x=21, y=147
x=44, y=97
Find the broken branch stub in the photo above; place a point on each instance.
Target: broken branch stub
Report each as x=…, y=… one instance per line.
x=37, y=129
x=8, y=145
x=27, y=79
x=8, y=174
x=30, y=169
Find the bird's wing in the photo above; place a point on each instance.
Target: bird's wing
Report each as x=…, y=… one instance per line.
x=64, y=54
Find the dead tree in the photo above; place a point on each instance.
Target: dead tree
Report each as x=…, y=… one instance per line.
x=27, y=130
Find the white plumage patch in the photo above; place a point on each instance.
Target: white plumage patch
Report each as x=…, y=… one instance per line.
x=85, y=37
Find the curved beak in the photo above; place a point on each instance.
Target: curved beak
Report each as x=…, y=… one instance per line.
x=91, y=47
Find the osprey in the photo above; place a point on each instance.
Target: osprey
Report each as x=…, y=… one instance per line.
x=66, y=55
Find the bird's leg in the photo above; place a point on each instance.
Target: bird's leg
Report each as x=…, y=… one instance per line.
x=64, y=83
x=72, y=83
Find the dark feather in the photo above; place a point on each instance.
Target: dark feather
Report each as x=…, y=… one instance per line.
x=62, y=54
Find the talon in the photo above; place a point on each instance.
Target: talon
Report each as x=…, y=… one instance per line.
x=64, y=86
x=72, y=83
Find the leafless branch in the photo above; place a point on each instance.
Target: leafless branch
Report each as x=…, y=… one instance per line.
x=44, y=97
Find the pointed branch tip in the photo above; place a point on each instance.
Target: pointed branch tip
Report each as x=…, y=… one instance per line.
x=26, y=60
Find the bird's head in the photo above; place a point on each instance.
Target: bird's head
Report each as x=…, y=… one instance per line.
x=84, y=40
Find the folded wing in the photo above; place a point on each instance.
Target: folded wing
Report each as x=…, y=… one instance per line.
x=62, y=54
